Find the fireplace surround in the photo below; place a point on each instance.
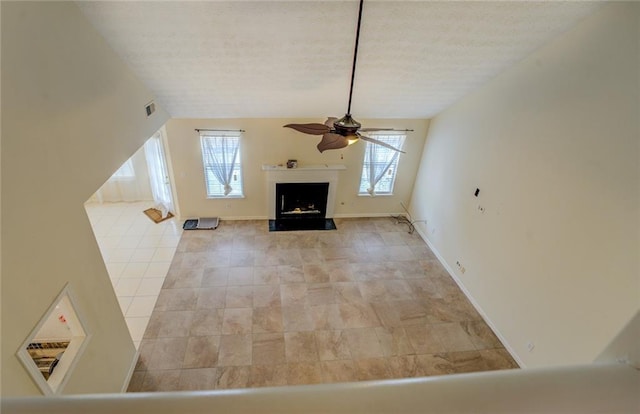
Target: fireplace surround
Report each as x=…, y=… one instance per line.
x=312, y=174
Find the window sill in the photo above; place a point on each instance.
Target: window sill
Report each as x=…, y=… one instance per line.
x=376, y=195
x=225, y=197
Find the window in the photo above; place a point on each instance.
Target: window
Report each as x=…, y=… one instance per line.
x=125, y=172
x=221, y=160
x=380, y=165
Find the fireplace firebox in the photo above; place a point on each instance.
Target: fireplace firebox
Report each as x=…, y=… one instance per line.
x=301, y=201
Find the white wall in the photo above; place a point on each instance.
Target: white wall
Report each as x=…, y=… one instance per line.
x=553, y=145
x=267, y=142
x=72, y=114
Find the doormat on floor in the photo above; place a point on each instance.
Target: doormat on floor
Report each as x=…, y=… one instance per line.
x=296, y=225
x=156, y=215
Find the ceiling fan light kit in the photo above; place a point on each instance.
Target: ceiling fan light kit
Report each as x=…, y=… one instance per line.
x=339, y=133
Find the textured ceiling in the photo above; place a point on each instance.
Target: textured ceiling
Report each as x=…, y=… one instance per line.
x=293, y=59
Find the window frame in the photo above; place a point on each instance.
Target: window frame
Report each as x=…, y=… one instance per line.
x=212, y=135
x=381, y=137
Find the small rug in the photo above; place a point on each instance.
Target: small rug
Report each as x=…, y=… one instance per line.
x=156, y=215
x=298, y=225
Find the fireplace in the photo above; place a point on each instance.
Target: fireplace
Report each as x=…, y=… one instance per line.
x=301, y=201
x=305, y=174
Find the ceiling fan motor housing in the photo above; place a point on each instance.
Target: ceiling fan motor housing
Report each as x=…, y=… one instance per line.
x=346, y=125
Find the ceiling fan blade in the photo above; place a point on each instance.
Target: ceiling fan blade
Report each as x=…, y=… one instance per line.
x=377, y=129
x=375, y=141
x=332, y=141
x=329, y=122
x=312, y=129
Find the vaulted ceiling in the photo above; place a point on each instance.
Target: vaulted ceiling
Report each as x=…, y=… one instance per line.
x=236, y=59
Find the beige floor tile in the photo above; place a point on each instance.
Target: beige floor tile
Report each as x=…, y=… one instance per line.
x=242, y=275
x=372, y=369
x=197, y=379
x=268, y=375
x=332, y=345
x=215, y=276
x=320, y=294
x=394, y=341
x=300, y=373
x=300, y=346
x=183, y=278
x=424, y=340
x=339, y=371
x=207, y=322
x=297, y=318
x=232, y=377
x=326, y=317
x=266, y=295
x=268, y=349
x=169, y=324
x=316, y=273
x=161, y=380
x=358, y=315
x=239, y=297
x=237, y=321
x=294, y=294
x=168, y=353
x=290, y=274
x=178, y=299
x=211, y=298
x=267, y=319
x=265, y=275
x=453, y=337
x=404, y=366
x=202, y=352
x=363, y=343
x=235, y=350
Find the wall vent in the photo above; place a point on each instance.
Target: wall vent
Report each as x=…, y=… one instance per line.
x=150, y=108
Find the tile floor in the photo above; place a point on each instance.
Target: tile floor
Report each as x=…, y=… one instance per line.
x=137, y=253
x=242, y=307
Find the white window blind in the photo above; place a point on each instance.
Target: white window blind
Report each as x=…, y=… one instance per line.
x=380, y=165
x=222, y=167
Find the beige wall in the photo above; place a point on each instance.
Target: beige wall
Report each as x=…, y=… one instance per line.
x=72, y=113
x=267, y=142
x=553, y=145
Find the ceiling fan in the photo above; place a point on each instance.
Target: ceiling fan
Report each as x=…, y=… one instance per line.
x=339, y=133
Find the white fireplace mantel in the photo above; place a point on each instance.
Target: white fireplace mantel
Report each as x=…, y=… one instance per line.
x=323, y=173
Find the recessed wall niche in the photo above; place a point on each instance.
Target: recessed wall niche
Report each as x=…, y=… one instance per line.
x=54, y=346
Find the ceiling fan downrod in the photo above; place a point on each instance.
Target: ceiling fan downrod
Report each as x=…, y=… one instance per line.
x=355, y=57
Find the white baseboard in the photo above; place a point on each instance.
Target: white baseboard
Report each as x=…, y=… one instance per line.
x=132, y=369
x=475, y=304
x=235, y=218
x=366, y=215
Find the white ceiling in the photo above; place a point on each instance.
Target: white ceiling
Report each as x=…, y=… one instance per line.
x=237, y=59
